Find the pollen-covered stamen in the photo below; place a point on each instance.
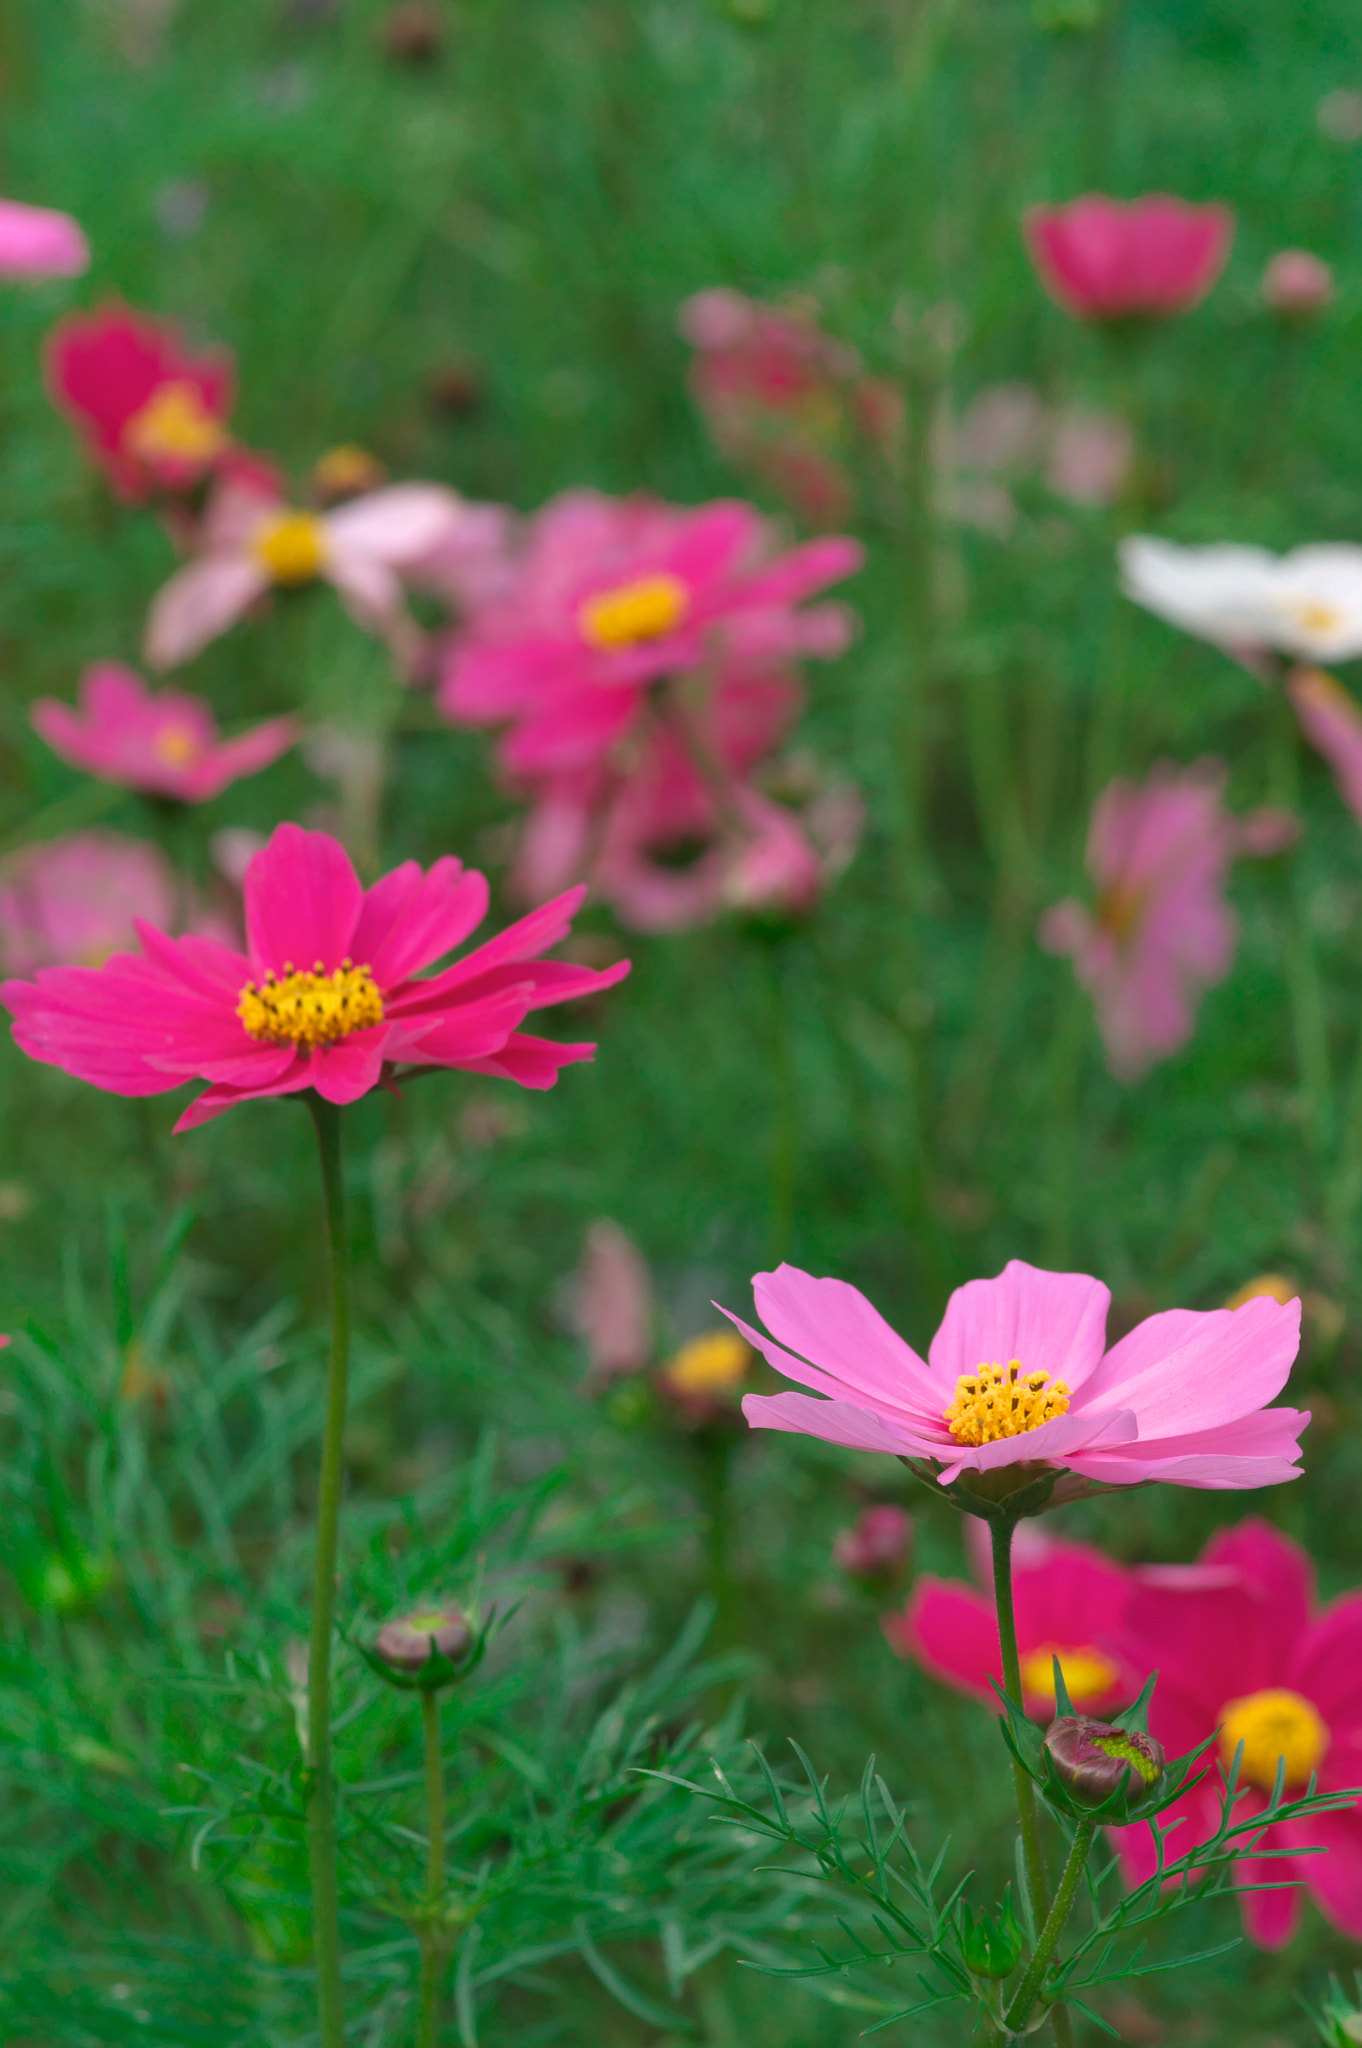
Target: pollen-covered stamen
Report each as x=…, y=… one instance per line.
x=642, y=610
x=292, y=546
x=176, y=746
x=175, y=425
x=1275, y=1726
x=996, y=1401
x=310, y=1009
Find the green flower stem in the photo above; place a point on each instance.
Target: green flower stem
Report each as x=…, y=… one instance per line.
x=1028, y=1812
x=321, y=1796
x=1055, y=1920
x=434, y=1949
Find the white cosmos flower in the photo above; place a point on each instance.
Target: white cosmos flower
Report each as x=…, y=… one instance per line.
x=1307, y=604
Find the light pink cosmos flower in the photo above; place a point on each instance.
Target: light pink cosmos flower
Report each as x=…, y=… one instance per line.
x=1070, y=1603
x=613, y=1303
x=1018, y=1374
x=167, y=745
x=615, y=595
x=359, y=1009
x=1107, y=259
x=1240, y=1646
x=251, y=541
x=37, y=242
x=1296, y=284
x=1161, y=931
x=75, y=901
x=1332, y=722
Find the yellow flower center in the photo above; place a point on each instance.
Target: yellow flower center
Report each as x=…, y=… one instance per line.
x=292, y=546
x=1119, y=910
x=1275, y=1286
x=1275, y=1726
x=342, y=471
x=996, y=1401
x=176, y=746
x=313, y=1009
x=644, y=610
x=708, y=1365
x=1088, y=1675
x=1312, y=615
x=174, y=423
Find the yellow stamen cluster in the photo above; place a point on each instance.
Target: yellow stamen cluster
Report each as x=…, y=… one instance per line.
x=1275, y=1726
x=176, y=746
x=1088, y=1675
x=708, y=1365
x=174, y=424
x=313, y=1009
x=1314, y=615
x=643, y=610
x=996, y=1401
x=292, y=546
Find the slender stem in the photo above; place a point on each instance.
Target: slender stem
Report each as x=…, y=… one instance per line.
x=1055, y=1921
x=434, y=1951
x=321, y=1797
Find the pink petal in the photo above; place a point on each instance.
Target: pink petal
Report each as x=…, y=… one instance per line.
x=1271, y=1917
x=521, y=941
x=245, y=755
x=954, y=1633
x=410, y=919
x=1332, y=722
x=1334, y=1879
x=216, y=1101
x=860, y=1356
x=1257, y=1450
x=1279, y=1572
x=349, y=1069
x=1061, y=1442
x=835, y=1422
x=532, y=1062
x=35, y=241
x=1327, y=1664
x=1184, y=1372
x=1053, y=1322
x=303, y=902
x=397, y=525
x=198, y=603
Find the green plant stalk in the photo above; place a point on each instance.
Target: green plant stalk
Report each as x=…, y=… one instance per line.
x=321, y=1795
x=1028, y=1811
x=1055, y=1921
x=434, y=1950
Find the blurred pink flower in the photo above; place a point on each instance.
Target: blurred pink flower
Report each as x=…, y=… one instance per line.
x=151, y=414
x=167, y=744
x=613, y=596
x=252, y=541
x=475, y=563
x=1090, y=457
x=613, y=1303
x=1070, y=1603
x=1180, y=1399
x=1161, y=931
x=1297, y=284
x=255, y=1025
x=73, y=902
x=1332, y=722
x=1240, y=1645
x=877, y=1544
x=785, y=400
x=1108, y=259
x=36, y=242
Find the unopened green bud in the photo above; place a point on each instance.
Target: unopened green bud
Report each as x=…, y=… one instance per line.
x=991, y=1947
x=1093, y=1759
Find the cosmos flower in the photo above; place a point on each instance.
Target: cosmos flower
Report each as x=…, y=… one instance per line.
x=152, y=414
x=166, y=744
x=877, y=1544
x=1306, y=604
x=251, y=542
x=613, y=596
x=1161, y=930
x=1070, y=1602
x=1296, y=285
x=1241, y=1646
x=74, y=901
x=1018, y=1375
x=1108, y=259
x=360, y=1009
x=36, y=242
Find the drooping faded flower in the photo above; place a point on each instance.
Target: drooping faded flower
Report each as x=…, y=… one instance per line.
x=1240, y=1646
x=1160, y=931
x=35, y=241
x=1306, y=604
x=614, y=596
x=166, y=743
x=1018, y=1375
x=1111, y=259
x=331, y=992
x=151, y=413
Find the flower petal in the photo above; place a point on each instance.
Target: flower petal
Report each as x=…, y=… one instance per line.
x=858, y=1353
x=1053, y=1322
x=1185, y=1371
x=410, y=919
x=836, y=1422
x=200, y=601
x=303, y=902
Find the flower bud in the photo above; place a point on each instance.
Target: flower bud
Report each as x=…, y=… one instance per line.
x=405, y=1644
x=1092, y=1759
x=876, y=1545
x=1297, y=284
x=991, y=1947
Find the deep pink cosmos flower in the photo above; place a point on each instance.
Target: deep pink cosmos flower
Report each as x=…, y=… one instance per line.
x=616, y=594
x=1018, y=1374
x=73, y=902
x=166, y=744
x=1109, y=259
x=1070, y=1603
x=329, y=993
x=1332, y=722
x=1239, y=1645
x=1161, y=930
x=36, y=242
x=151, y=414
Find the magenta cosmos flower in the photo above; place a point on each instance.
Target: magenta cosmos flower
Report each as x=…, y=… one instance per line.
x=36, y=242
x=1161, y=931
x=1070, y=1603
x=1240, y=1646
x=360, y=1009
x=167, y=745
x=616, y=594
x=1018, y=1374
x=1107, y=259
x=152, y=414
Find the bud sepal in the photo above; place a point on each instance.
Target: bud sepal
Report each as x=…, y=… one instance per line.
x=991, y=1945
